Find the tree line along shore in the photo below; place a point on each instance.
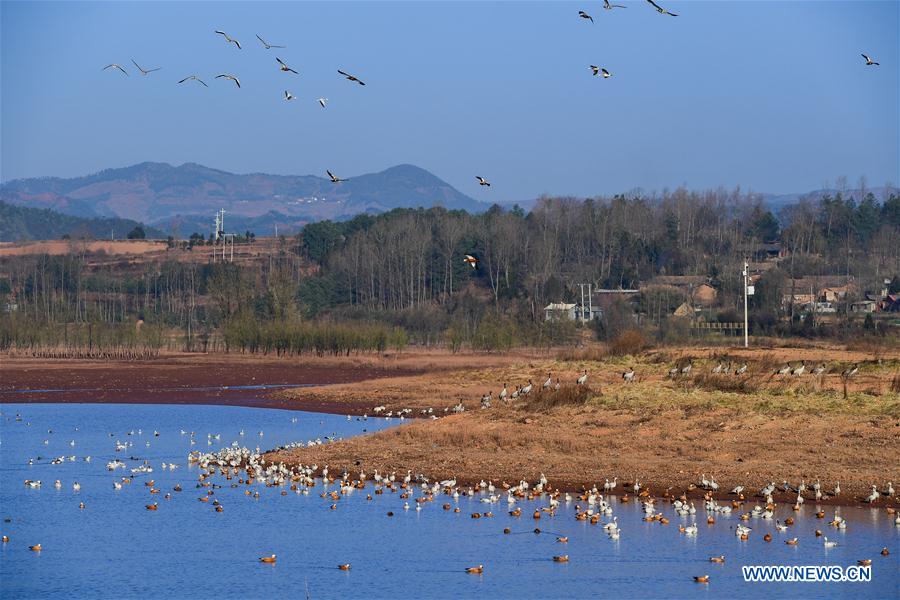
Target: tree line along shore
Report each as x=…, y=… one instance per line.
x=666, y=269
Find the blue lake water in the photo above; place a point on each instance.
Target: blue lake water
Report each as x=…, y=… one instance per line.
x=114, y=547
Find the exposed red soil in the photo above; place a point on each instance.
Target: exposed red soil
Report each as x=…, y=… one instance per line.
x=181, y=380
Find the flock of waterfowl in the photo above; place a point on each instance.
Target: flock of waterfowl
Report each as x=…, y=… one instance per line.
x=679, y=371
x=249, y=470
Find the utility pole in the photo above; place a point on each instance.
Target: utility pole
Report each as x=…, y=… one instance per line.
x=581, y=306
x=582, y=316
x=746, y=293
x=590, y=304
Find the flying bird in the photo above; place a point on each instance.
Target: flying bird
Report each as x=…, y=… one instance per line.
x=228, y=39
x=284, y=67
x=114, y=66
x=482, y=181
x=471, y=261
x=351, y=77
x=195, y=78
x=598, y=70
x=584, y=15
x=608, y=6
x=322, y=101
x=869, y=61
x=231, y=77
x=334, y=178
x=267, y=44
x=144, y=71
x=661, y=10
x=288, y=95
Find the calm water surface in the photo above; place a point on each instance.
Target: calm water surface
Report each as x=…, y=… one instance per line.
x=116, y=548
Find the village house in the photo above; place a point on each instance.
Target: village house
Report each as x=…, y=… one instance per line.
x=704, y=295
x=696, y=287
x=825, y=290
x=863, y=306
x=563, y=311
x=835, y=293
x=560, y=311
x=685, y=310
x=683, y=282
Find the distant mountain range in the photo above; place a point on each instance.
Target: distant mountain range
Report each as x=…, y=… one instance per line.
x=189, y=195
x=184, y=199
x=778, y=201
x=22, y=223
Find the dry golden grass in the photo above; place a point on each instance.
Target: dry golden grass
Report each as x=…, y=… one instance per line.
x=667, y=437
x=781, y=399
x=629, y=342
x=567, y=395
x=595, y=353
x=749, y=429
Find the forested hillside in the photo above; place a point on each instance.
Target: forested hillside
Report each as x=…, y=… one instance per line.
x=406, y=259
x=20, y=223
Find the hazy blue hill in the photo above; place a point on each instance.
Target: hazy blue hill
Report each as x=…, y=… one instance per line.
x=777, y=201
x=20, y=223
x=157, y=192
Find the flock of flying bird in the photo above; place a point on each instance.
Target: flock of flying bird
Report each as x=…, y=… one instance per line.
x=282, y=66
x=288, y=96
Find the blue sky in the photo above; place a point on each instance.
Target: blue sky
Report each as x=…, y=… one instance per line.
x=771, y=96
